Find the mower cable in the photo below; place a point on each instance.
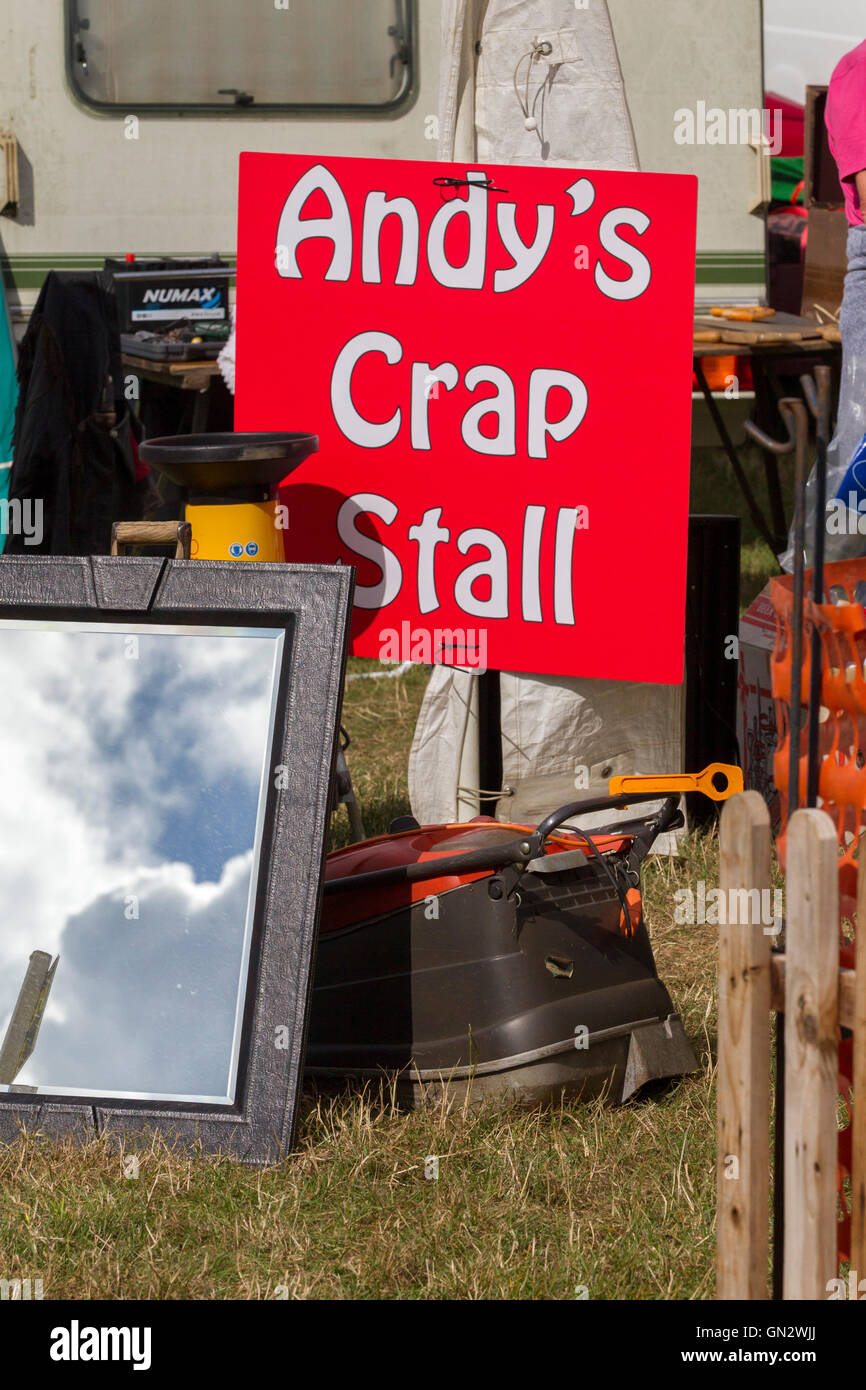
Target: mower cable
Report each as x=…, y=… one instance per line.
x=617, y=886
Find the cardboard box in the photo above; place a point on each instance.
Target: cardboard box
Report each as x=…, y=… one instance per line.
x=821, y=177
x=756, y=710
x=826, y=260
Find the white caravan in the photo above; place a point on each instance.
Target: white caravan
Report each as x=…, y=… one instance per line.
x=125, y=118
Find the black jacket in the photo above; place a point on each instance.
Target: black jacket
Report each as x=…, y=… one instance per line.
x=72, y=426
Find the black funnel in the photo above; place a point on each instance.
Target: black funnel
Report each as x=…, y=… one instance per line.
x=222, y=463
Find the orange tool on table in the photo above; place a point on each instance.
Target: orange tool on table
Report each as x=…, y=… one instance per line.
x=749, y=313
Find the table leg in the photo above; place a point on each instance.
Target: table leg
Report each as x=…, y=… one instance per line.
x=734, y=459
x=200, y=411
x=767, y=416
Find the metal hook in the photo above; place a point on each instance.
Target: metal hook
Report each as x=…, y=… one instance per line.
x=787, y=410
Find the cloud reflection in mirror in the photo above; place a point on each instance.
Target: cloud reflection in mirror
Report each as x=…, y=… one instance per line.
x=134, y=765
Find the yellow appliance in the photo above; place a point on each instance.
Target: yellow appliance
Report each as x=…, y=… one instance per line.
x=235, y=531
x=230, y=483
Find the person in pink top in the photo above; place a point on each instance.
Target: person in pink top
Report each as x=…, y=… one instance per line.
x=846, y=456
x=846, y=127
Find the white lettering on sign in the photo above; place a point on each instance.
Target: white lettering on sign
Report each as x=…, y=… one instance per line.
x=192, y=294
x=499, y=409
x=636, y=261
x=490, y=571
x=353, y=425
x=388, y=587
x=494, y=568
x=427, y=536
x=541, y=382
x=501, y=406
x=337, y=227
x=533, y=524
x=582, y=195
x=527, y=257
x=470, y=275
x=453, y=334
x=376, y=208
x=424, y=381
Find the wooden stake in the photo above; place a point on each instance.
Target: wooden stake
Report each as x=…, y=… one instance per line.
x=743, y=1171
x=811, y=1054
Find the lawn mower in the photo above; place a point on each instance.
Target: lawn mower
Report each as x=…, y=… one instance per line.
x=510, y=959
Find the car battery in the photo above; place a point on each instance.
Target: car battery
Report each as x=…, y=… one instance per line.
x=154, y=292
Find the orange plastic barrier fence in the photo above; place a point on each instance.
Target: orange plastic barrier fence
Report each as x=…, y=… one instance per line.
x=841, y=626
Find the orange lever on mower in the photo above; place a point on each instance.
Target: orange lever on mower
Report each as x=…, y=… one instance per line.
x=718, y=782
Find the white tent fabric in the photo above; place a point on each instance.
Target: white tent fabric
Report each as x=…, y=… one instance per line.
x=559, y=736
x=562, y=739
x=575, y=93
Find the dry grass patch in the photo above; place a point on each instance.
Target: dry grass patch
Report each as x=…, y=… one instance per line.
x=543, y=1204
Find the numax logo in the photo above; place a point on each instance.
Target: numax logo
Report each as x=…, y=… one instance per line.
x=191, y=294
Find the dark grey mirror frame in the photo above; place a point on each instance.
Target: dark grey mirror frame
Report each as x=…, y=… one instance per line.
x=312, y=604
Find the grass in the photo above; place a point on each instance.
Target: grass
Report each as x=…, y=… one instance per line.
x=580, y=1201
x=583, y=1200
x=526, y=1205
x=380, y=715
x=714, y=490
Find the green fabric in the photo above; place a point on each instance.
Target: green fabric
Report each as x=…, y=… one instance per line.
x=787, y=173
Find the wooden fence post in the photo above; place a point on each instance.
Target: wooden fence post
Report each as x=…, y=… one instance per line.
x=743, y=1168
x=811, y=1054
x=858, y=1137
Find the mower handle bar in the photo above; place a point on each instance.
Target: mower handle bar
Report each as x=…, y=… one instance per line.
x=597, y=803
x=517, y=851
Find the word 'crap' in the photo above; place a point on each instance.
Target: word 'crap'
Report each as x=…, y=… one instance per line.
x=425, y=380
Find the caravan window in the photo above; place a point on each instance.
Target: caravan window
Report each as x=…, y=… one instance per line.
x=241, y=55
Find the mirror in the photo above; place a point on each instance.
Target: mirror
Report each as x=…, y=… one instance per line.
x=135, y=763
x=168, y=737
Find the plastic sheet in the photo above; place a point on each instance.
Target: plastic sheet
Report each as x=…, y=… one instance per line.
x=846, y=456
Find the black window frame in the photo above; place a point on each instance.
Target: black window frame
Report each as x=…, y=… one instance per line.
x=324, y=110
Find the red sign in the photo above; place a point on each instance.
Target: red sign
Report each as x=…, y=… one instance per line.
x=497, y=361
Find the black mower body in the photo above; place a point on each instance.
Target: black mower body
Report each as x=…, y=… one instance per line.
x=519, y=981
